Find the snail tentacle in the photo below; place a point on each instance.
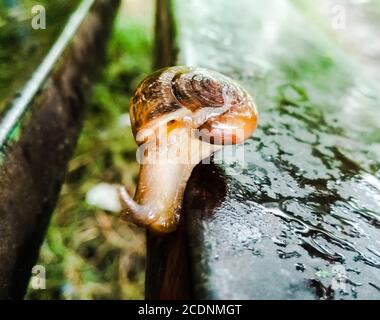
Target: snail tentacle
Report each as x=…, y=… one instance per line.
x=133, y=211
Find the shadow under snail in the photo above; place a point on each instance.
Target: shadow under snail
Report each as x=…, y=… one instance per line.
x=180, y=116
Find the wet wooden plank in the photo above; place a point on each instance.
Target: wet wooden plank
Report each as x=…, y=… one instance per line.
x=298, y=216
x=40, y=140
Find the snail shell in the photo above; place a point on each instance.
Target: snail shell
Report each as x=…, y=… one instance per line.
x=209, y=100
x=209, y=109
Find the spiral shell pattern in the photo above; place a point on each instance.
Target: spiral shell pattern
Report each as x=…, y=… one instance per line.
x=210, y=99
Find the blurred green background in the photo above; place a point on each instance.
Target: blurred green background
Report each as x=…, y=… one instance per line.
x=89, y=253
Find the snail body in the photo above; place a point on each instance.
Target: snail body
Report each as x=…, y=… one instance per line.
x=180, y=116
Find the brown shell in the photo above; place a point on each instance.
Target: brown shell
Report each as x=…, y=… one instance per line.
x=180, y=92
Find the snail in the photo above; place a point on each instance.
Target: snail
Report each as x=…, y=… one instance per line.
x=179, y=116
